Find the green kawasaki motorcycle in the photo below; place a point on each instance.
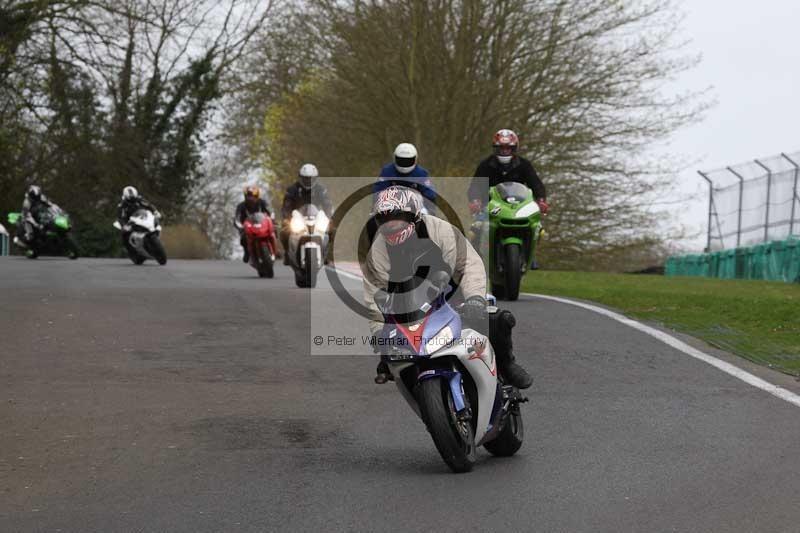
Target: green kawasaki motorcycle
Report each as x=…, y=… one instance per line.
x=510, y=237
x=55, y=235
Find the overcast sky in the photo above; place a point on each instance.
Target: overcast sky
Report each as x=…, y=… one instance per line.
x=751, y=57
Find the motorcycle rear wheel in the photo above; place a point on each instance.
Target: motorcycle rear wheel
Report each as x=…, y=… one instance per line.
x=509, y=441
x=454, y=440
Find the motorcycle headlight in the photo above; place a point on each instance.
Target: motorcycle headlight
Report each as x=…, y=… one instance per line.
x=442, y=339
x=321, y=225
x=297, y=224
x=527, y=210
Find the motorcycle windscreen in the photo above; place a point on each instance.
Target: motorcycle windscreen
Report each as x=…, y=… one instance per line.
x=513, y=192
x=309, y=210
x=62, y=222
x=257, y=218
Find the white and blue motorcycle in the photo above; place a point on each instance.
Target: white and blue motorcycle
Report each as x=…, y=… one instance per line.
x=448, y=375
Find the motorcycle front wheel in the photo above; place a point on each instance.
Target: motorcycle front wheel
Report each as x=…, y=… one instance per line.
x=265, y=267
x=512, y=271
x=310, y=269
x=454, y=439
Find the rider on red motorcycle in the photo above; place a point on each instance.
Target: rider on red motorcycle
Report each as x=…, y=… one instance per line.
x=253, y=203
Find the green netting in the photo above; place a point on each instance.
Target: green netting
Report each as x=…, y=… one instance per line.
x=773, y=261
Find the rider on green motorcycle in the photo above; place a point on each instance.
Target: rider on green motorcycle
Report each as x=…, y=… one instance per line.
x=34, y=205
x=502, y=166
x=505, y=165
x=408, y=242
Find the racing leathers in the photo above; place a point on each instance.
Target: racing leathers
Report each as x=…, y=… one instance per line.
x=438, y=246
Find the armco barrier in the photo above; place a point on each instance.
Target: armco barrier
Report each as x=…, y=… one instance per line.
x=4, y=238
x=772, y=261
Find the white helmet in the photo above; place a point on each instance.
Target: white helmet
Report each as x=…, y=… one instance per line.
x=405, y=158
x=129, y=193
x=308, y=175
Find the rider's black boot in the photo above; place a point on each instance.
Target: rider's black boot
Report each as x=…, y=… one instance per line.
x=383, y=374
x=513, y=373
x=502, y=324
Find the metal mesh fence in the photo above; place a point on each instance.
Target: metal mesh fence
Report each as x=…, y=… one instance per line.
x=753, y=202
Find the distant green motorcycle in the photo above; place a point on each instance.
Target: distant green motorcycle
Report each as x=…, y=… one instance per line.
x=55, y=235
x=514, y=228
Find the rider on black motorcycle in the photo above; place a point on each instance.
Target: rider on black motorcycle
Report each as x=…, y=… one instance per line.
x=408, y=243
x=34, y=205
x=253, y=203
x=306, y=190
x=131, y=202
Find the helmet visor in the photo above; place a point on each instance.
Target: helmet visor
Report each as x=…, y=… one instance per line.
x=405, y=162
x=308, y=181
x=383, y=219
x=505, y=149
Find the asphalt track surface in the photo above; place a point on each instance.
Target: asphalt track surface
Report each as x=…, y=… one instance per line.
x=184, y=398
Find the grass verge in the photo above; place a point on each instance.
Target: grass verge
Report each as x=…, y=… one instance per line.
x=757, y=320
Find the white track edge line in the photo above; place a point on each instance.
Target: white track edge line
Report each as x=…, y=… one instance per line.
x=681, y=346
x=667, y=339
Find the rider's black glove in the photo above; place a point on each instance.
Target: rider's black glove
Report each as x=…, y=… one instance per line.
x=474, y=309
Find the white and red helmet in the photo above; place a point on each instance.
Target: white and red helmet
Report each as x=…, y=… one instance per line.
x=397, y=211
x=505, y=144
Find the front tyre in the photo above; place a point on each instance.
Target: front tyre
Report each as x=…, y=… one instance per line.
x=454, y=439
x=265, y=266
x=510, y=438
x=512, y=271
x=310, y=269
x=155, y=248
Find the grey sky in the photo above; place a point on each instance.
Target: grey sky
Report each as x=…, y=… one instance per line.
x=751, y=57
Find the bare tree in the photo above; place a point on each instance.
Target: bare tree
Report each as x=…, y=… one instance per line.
x=118, y=92
x=580, y=81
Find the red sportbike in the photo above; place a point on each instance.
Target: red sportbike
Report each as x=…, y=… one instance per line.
x=260, y=234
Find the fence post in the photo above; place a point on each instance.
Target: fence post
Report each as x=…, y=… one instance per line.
x=769, y=190
x=710, y=205
x=795, y=198
x=741, y=194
